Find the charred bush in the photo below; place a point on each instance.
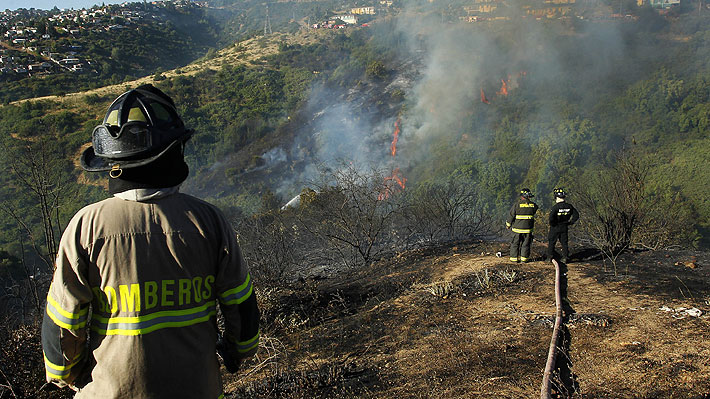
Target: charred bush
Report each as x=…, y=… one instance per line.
x=22, y=366
x=446, y=211
x=274, y=247
x=620, y=208
x=352, y=215
x=488, y=280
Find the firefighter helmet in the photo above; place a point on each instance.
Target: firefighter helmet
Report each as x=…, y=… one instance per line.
x=526, y=193
x=559, y=193
x=140, y=126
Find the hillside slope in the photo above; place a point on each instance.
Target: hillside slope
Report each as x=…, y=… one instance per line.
x=459, y=322
x=247, y=52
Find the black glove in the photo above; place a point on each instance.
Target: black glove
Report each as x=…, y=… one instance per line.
x=231, y=363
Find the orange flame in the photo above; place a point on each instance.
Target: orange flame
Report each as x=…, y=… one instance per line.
x=392, y=184
x=393, y=146
x=503, y=88
x=398, y=178
x=483, y=97
x=396, y=181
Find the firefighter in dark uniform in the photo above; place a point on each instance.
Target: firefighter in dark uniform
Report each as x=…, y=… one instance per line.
x=562, y=215
x=521, y=221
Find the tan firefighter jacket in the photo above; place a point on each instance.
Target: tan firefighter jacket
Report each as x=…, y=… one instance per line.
x=142, y=279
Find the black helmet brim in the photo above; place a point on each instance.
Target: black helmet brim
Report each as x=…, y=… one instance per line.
x=91, y=162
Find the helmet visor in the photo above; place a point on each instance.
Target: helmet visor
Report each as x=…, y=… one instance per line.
x=111, y=142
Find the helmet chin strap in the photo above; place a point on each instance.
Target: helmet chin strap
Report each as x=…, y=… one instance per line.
x=115, y=171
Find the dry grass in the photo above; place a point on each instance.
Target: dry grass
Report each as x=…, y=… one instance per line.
x=248, y=52
x=422, y=326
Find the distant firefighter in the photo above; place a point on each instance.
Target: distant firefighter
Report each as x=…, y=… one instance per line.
x=521, y=221
x=562, y=215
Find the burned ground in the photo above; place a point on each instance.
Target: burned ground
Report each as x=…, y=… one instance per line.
x=458, y=321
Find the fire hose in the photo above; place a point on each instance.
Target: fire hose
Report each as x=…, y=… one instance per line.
x=545, y=390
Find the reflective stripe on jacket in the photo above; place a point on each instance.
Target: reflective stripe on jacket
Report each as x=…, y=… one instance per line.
x=153, y=273
x=521, y=217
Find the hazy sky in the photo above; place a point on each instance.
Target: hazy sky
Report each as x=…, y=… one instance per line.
x=49, y=4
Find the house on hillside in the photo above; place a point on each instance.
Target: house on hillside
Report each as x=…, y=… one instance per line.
x=659, y=4
x=36, y=67
x=480, y=9
x=348, y=19
x=363, y=11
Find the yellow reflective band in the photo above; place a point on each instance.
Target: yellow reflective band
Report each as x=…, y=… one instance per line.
x=525, y=217
x=522, y=231
x=237, y=295
x=156, y=321
x=63, y=312
x=239, y=299
x=55, y=376
x=507, y=224
x=239, y=288
x=64, y=319
x=527, y=205
x=65, y=325
x=522, y=258
x=514, y=259
x=55, y=368
x=246, y=346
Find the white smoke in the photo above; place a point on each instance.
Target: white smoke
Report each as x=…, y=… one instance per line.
x=448, y=67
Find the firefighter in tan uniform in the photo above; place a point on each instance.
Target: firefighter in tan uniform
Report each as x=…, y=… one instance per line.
x=521, y=221
x=145, y=271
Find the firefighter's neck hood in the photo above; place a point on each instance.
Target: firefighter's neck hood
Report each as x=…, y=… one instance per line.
x=167, y=171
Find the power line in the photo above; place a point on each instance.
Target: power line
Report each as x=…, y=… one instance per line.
x=267, y=23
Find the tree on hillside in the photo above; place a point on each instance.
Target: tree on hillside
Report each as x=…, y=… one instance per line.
x=38, y=178
x=353, y=213
x=274, y=246
x=449, y=209
x=621, y=208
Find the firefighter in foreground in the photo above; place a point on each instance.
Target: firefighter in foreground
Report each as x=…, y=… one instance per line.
x=145, y=269
x=521, y=221
x=562, y=215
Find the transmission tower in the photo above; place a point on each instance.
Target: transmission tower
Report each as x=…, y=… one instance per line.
x=267, y=23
